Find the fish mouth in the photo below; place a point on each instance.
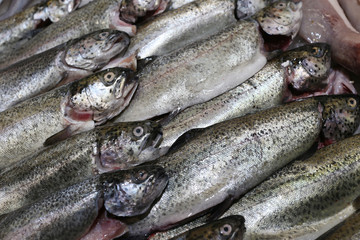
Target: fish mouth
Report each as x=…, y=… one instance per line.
x=275, y=42
x=118, y=41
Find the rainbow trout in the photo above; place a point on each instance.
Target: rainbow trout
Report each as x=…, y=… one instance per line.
x=102, y=149
x=72, y=108
x=97, y=15
x=227, y=159
x=207, y=68
x=230, y=228
x=304, y=68
x=71, y=212
x=75, y=59
x=18, y=26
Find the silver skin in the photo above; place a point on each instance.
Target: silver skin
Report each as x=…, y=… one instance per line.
x=72, y=108
x=69, y=213
x=11, y=7
x=97, y=15
x=18, y=26
x=103, y=149
x=230, y=228
x=253, y=147
x=267, y=88
x=193, y=74
x=71, y=61
x=195, y=21
x=331, y=106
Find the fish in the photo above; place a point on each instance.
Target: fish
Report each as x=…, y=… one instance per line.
x=230, y=228
x=293, y=70
x=226, y=160
x=346, y=230
x=195, y=21
x=70, y=61
x=10, y=7
x=70, y=212
x=103, y=149
x=325, y=21
x=192, y=75
x=96, y=15
x=18, y=26
x=73, y=108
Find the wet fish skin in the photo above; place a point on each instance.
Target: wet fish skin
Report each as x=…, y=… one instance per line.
x=70, y=161
x=75, y=59
x=267, y=88
x=253, y=147
x=230, y=228
x=186, y=25
x=18, y=26
x=95, y=16
x=72, y=108
x=69, y=213
x=192, y=75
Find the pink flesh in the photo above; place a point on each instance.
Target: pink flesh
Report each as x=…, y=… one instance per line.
x=163, y=5
x=338, y=83
x=352, y=11
x=123, y=61
x=324, y=21
x=78, y=115
x=105, y=228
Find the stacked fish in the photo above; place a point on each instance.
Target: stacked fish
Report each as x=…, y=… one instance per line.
x=179, y=119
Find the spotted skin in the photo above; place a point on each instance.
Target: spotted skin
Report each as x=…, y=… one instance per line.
x=68, y=62
x=69, y=213
x=131, y=10
x=63, y=108
x=281, y=18
x=253, y=146
x=70, y=161
x=229, y=228
x=348, y=230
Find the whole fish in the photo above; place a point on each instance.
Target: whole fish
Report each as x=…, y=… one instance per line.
x=18, y=26
x=95, y=16
x=72, y=108
x=227, y=159
x=70, y=212
x=193, y=74
x=347, y=230
x=230, y=228
x=183, y=26
x=102, y=149
x=75, y=59
x=269, y=87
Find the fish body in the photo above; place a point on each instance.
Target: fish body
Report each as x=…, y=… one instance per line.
x=67, y=62
x=70, y=212
x=351, y=9
x=347, y=230
x=267, y=88
x=227, y=159
x=72, y=108
x=18, y=26
x=82, y=156
x=193, y=74
x=175, y=29
x=97, y=15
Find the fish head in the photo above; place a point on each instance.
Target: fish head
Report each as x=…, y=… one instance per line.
x=308, y=67
x=94, y=50
x=279, y=23
x=125, y=145
x=104, y=93
x=228, y=228
x=130, y=10
x=340, y=116
x=133, y=191
x=57, y=9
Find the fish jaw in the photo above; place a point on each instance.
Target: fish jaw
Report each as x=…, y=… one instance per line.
x=134, y=195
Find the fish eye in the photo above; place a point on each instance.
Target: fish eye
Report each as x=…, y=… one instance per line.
x=316, y=51
x=142, y=175
x=352, y=102
x=225, y=230
x=138, y=131
x=103, y=35
x=109, y=78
